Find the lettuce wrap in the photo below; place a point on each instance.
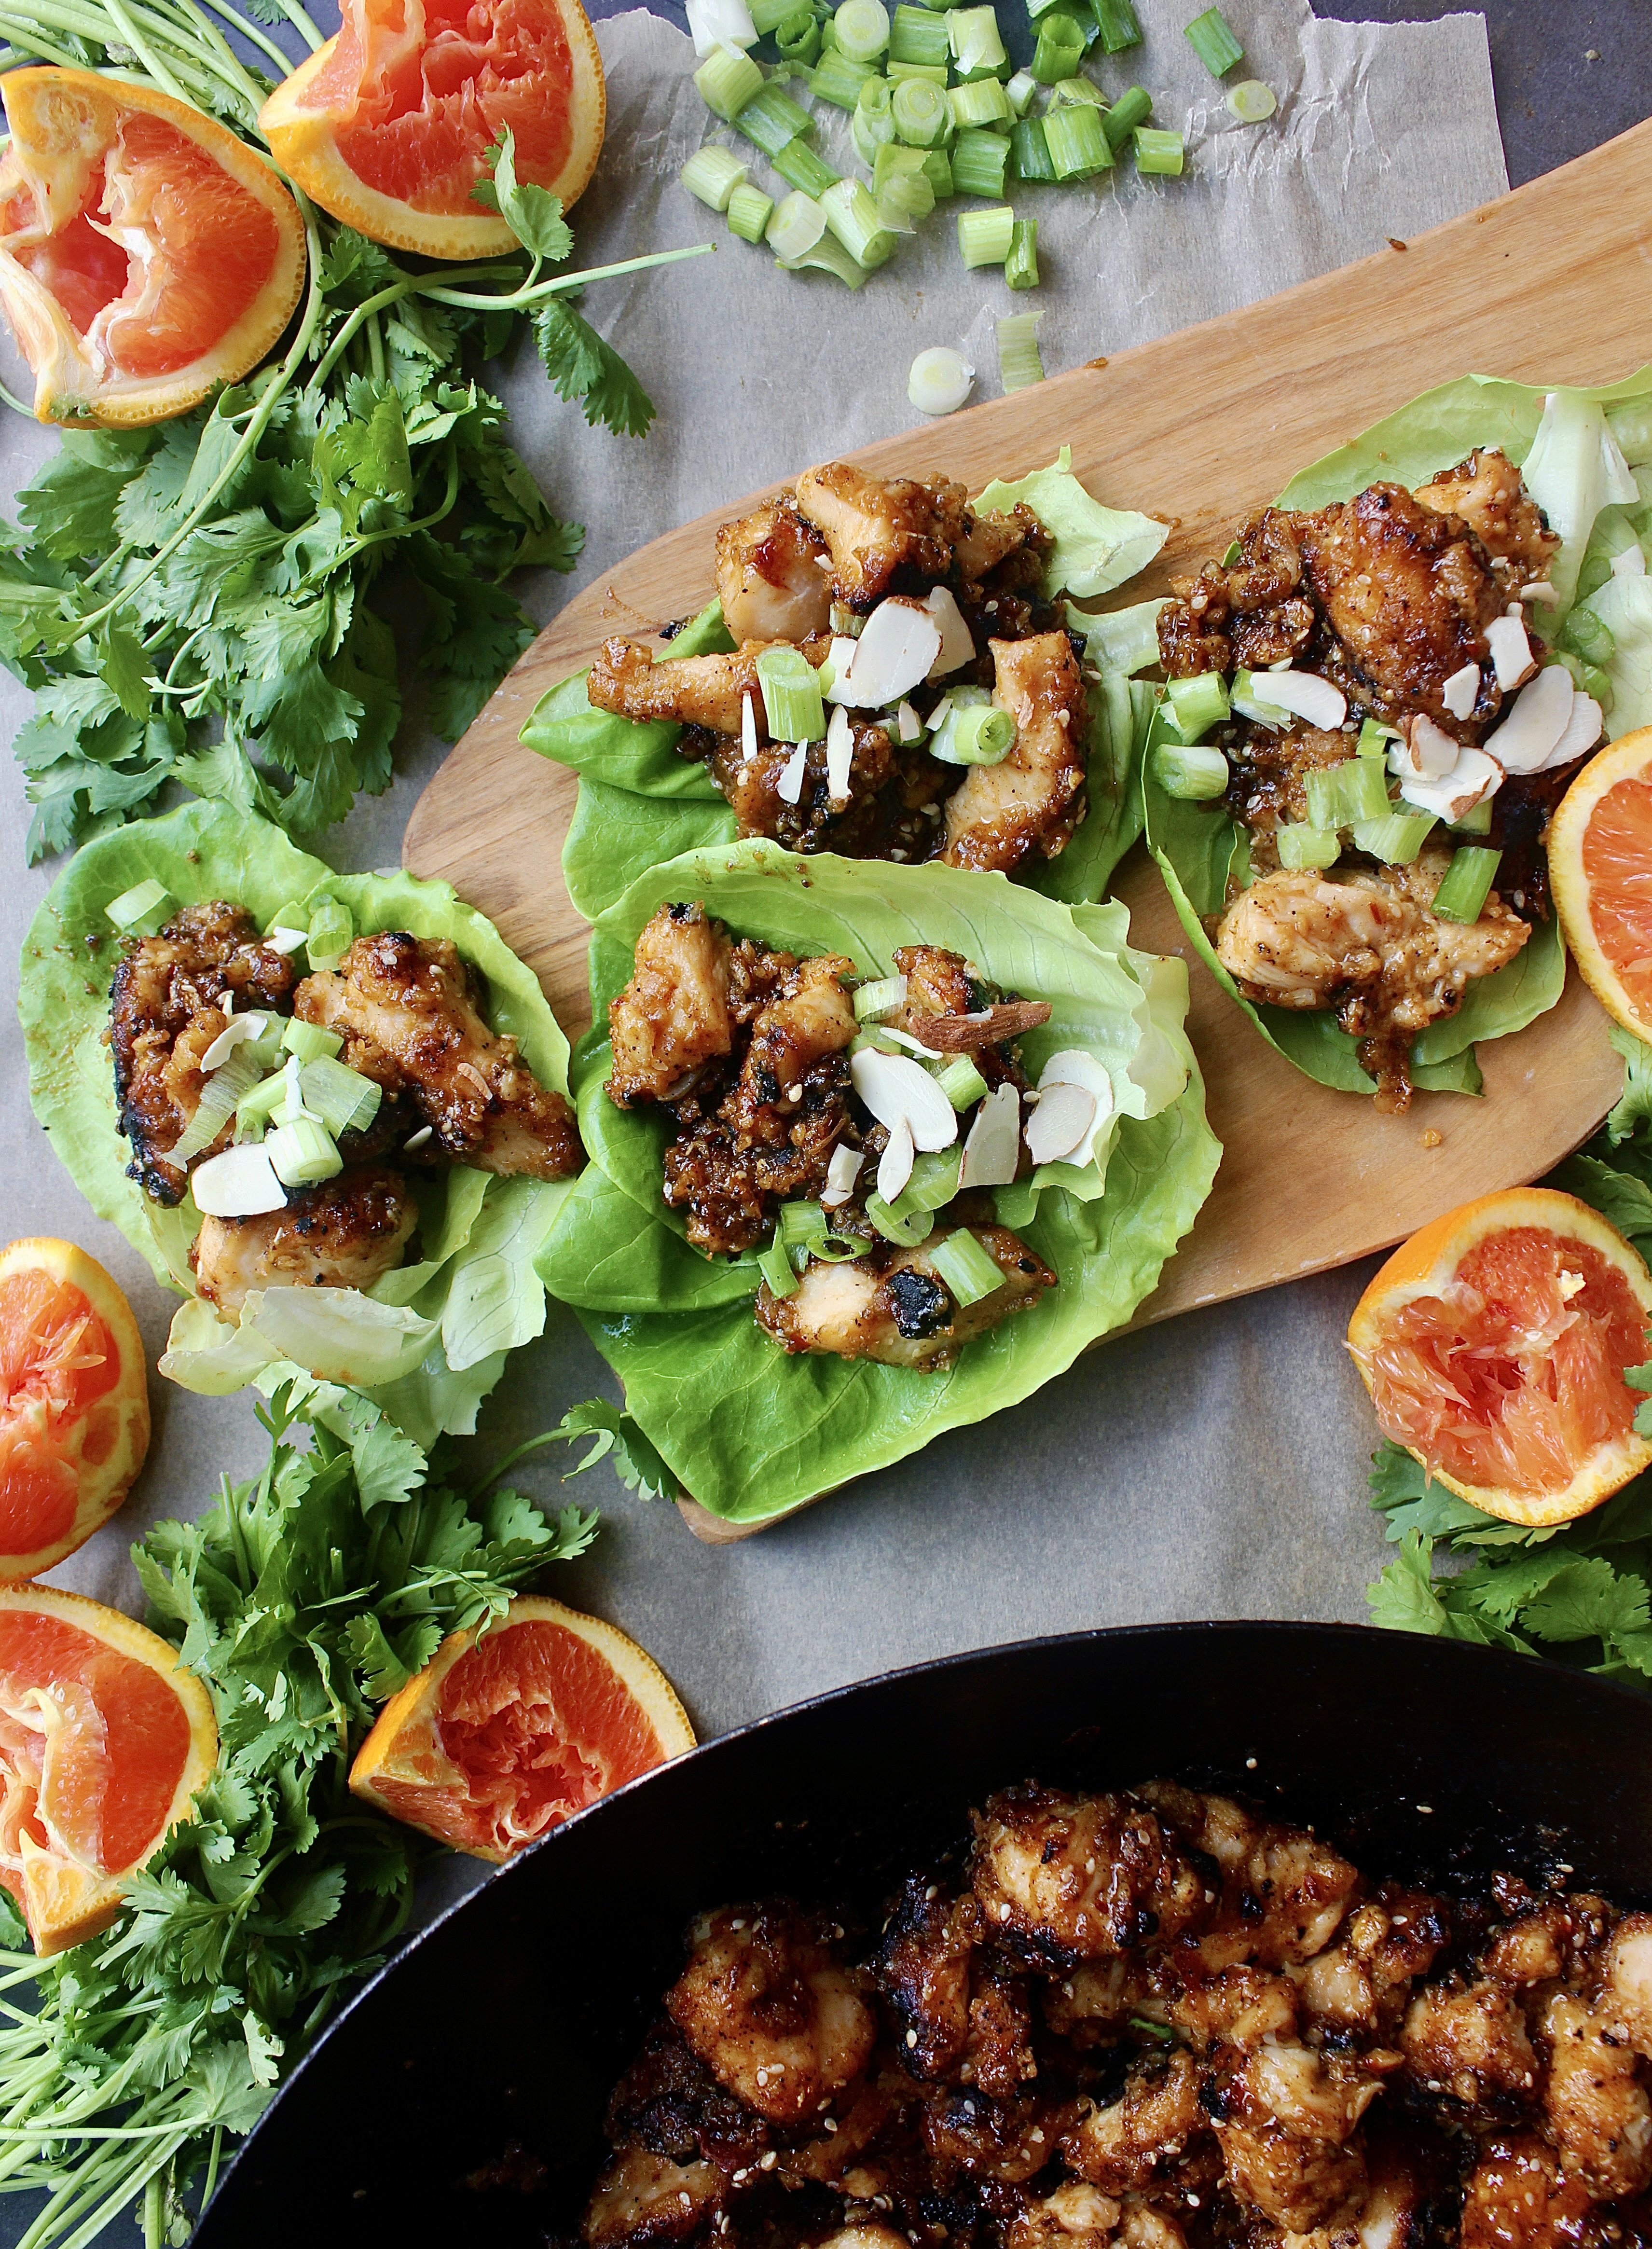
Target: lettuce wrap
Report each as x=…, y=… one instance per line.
x=749, y=1431
x=1606, y=641
x=641, y=802
x=429, y=1341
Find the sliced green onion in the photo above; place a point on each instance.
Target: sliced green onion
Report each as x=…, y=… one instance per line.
x=1395, y=841
x=1192, y=771
x=1251, y=101
x=1588, y=676
x=791, y=693
x=974, y=735
x=749, y=212
x=900, y=187
x=907, y=1229
x=918, y=36
x=310, y=1042
x=332, y=932
x=829, y=38
x=142, y=903
x=835, y=79
x=1468, y=879
x=776, y=1268
x=982, y=103
x=965, y=1268
x=874, y=124
x=221, y=1095
x=978, y=163
x=1198, y=704
x=922, y=113
x=1116, y=21
x=1302, y=846
x=1037, y=8
x=961, y=1082
x=1588, y=636
x=1020, y=90
x=1356, y=789
x=771, y=119
x=798, y=38
x=937, y=171
x=863, y=29
x=984, y=236
x=878, y=996
x=258, y=1101
x=801, y=1225
x=800, y=167
x=918, y=74
x=934, y=1179
x=1211, y=37
x=1060, y=48
x=1476, y=820
x=828, y=256
x=940, y=381
x=1072, y=92
x=768, y=15
x=973, y=36
x=727, y=79
x=712, y=175
x=853, y=216
x=796, y=226
x=302, y=1153
x=1163, y=153
x=1133, y=107
x=1021, y=267
x=1019, y=363
x=343, y=1099
x=1077, y=142
x=1374, y=739
x=1030, y=151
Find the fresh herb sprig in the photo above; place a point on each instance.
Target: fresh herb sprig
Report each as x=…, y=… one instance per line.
x=301, y=1597
x=190, y=602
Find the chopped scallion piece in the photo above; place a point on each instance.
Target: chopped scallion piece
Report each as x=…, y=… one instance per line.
x=1020, y=90
x=1468, y=880
x=974, y=733
x=771, y=119
x=711, y=175
x=768, y=15
x=791, y=691
x=749, y=212
x=1198, y=704
x=1302, y=846
x=1030, y=151
x=777, y=1268
x=1251, y=101
x=1060, y=48
x=1211, y=37
x=978, y=163
x=874, y=125
x=1396, y=840
x=982, y=103
x=965, y=1268
x=878, y=996
x=796, y=226
x=332, y=931
x=225, y=1089
x=853, y=216
x=1374, y=739
x=938, y=171
x=1476, y=820
x=800, y=167
x=1078, y=144
x=828, y=256
x=919, y=73
x=863, y=29
x=142, y=903
x=918, y=36
x=900, y=187
x=310, y=1042
x=342, y=1098
x=256, y=1105
x=1116, y=21
x=798, y=38
x=1021, y=267
x=1019, y=363
x=301, y=1154
x=922, y=112
x=835, y=79
x=961, y=1082
x=973, y=36
x=934, y=1180
x=1192, y=771
x=1133, y=107
x=901, y=1222
x=985, y=236
x=727, y=79
x=1156, y=152
x=1076, y=90
x=1356, y=789
x=801, y=1225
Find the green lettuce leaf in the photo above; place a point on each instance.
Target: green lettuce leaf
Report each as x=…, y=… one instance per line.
x=748, y=1430
x=1624, y=607
x=617, y=835
x=1097, y=548
x=430, y=1340
x=627, y=752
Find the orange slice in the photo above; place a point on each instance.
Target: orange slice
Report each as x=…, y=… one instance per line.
x=1600, y=871
x=104, y=1739
x=389, y=125
x=145, y=253
x=499, y=1738
x=74, y=1404
x=1493, y=1344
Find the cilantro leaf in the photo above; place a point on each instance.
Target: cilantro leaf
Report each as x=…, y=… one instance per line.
x=533, y=215
x=1633, y=1109
x=582, y=366
x=617, y=1437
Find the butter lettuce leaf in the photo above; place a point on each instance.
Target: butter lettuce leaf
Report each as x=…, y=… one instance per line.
x=1095, y=548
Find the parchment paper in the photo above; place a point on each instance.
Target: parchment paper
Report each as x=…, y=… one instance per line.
x=1214, y=1468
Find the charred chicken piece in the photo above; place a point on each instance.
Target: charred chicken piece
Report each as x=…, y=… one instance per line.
x=772, y=571
x=1071, y=1878
x=673, y=1017
x=892, y=535
x=1518, y=2197
x=894, y=1305
x=166, y=1007
x=1124, y=2144
x=685, y=691
x=890, y=808
x=347, y=1233
x=1487, y=491
x=1029, y=803
x=409, y=1009
x=1284, y=1892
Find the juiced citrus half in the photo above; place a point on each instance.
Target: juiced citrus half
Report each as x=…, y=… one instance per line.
x=74, y=1405
x=1601, y=869
x=145, y=253
x=389, y=126
x=1494, y=1342
x=500, y=1737
x=104, y=1739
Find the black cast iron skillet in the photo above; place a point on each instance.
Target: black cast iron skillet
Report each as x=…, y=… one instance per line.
x=509, y=2020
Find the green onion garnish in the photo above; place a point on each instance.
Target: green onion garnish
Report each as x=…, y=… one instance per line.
x=923, y=73
x=791, y=685
x=332, y=932
x=918, y=36
x=1198, y=704
x=835, y=79
x=1211, y=37
x=1133, y=107
x=863, y=29
x=1302, y=846
x=1077, y=143
x=984, y=238
x=921, y=112
x=749, y=212
x=796, y=226
x=310, y=1042
x=800, y=167
x=901, y=188
x=711, y=175
x=343, y=1099
x=961, y=1082
x=1396, y=840
x=1019, y=363
x=1020, y=90
x=257, y=1103
x=981, y=103
x=798, y=38
x=1374, y=739
x=142, y=903
x=302, y=1152
x=1116, y=20
x=801, y=1225
x=770, y=14
x=939, y=382
x=1468, y=880
x=727, y=79
x=1251, y=101
x=874, y=122
x=1159, y=152
x=973, y=36
x=1021, y=267
x=965, y=1268
x=878, y=996
x=777, y=1268
x=978, y=163
x=225, y=1089
x=937, y=171
x=907, y=1229
x=771, y=119
x=1192, y=771
x=974, y=733
x=1476, y=820
x=853, y=216
x=1030, y=151
x=828, y=256
x=1339, y=794
x=1060, y=48
x=1588, y=636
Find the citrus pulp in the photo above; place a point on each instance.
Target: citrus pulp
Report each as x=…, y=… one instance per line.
x=1601, y=867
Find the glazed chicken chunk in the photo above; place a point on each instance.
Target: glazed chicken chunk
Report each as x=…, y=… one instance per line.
x=686, y=691
x=673, y=1015
x=409, y=1009
x=1029, y=804
x=1486, y=491
x=884, y=535
x=772, y=570
x=1078, y=1877
x=894, y=1305
x=347, y=1233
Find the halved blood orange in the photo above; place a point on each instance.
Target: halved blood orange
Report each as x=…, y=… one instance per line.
x=1601, y=870
x=389, y=125
x=74, y=1402
x=1494, y=1342
x=500, y=1737
x=145, y=253
x=104, y=1739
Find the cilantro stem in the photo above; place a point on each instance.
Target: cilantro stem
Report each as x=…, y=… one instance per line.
x=561, y=284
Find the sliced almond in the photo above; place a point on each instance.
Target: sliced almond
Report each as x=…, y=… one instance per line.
x=1582, y=731
x=898, y=1091
x=894, y=654
x=241, y=1183
x=789, y=787
x=841, y=1174
x=840, y=750
x=1472, y=780
x=238, y=1030
x=969, y=1034
x=895, y=1165
x=1462, y=690
x=1511, y=656
x=1305, y=692
x=1528, y=736
x=991, y=1153
x=1429, y=752
x=1061, y=1122
x=957, y=643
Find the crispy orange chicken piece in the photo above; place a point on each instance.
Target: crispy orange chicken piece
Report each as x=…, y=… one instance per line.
x=347, y=1233
x=1028, y=804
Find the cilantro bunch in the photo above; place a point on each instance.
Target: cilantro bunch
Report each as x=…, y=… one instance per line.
x=1583, y=1590
x=301, y=1597
x=194, y=602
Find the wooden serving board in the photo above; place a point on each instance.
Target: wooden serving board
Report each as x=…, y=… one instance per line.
x=1551, y=284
